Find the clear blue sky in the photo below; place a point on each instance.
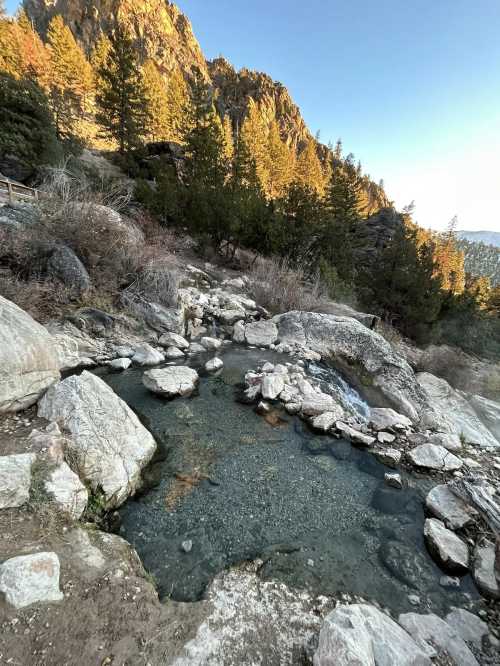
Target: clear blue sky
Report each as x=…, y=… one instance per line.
x=412, y=88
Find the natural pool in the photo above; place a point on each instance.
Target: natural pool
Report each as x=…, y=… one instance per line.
x=236, y=486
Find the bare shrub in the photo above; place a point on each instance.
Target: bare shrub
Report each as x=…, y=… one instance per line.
x=155, y=282
x=280, y=288
x=42, y=299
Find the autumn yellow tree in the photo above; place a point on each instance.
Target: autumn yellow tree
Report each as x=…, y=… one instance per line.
x=279, y=165
x=309, y=170
x=253, y=144
x=227, y=127
x=22, y=52
x=157, y=107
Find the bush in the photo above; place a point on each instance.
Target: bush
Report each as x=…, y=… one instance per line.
x=157, y=283
x=280, y=288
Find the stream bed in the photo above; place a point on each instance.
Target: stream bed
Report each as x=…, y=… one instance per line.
x=229, y=485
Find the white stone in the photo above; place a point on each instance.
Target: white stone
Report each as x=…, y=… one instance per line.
x=324, y=422
x=178, y=380
x=29, y=362
x=268, y=367
x=293, y=408
x=442, y=503
x=230, y=317
x=195, y=348
x=449, y=441
x=68, y=491
x=361, y=635
x=355, y=436
x=389, y=457
x=394, y=481
x=173, y=354
x=239, y=332
x=211, y=344
x=30, y=579
x=451, y=553
x=15, y=480
x=174, y=340
x=483, y=570
x=468, y=626
x=431, y=456
x=121, y=364
x=435, y=636
x=272, y=386
x=314, y=405
x=289, y=394
x=145, y=355
x=108, y=443
x=261, y=333
x=385, y=437
x=214, y=364
x=384, y=417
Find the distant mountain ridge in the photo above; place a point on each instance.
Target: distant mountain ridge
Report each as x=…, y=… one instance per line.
x=486, y=237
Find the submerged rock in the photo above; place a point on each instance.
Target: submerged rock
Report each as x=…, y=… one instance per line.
x=15, y=480
x=31, y=579
x=361, y=635
x=445, y=505
x=177, y=380
x=29, y=363
x=431, y=456
x=108, y=443
x=451, y=553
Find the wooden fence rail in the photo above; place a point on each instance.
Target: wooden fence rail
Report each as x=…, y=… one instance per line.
x=13, y=191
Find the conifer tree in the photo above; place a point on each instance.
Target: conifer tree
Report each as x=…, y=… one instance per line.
x=121, y=98
x=157, y=107
x=343, y=196
x=279, y=164
x=309, y=171
x=178, y=106
x=228, y=139
x=253, y=144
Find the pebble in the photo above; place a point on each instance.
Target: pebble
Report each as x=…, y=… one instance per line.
x=187, y=546
x=414, y=599
x=449, y=581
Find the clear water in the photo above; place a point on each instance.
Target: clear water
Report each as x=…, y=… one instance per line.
x=313, y=508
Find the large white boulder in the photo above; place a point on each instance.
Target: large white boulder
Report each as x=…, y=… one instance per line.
x=451, y=412
x=261, y=333
x=385, y=417
x=30, y=579
x=29, y=363
x=365, y=356
x=361, y=635
x=15, y=480
x=431, y=456
x=68, y=492
x=272, y=386
x=108, y=443
x=145, y=355
x=171, y=382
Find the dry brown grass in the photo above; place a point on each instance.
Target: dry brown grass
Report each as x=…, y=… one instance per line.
x=280, y=288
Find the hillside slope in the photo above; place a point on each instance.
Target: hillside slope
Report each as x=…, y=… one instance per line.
x=486, y=237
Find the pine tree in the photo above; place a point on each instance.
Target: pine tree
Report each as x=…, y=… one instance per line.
x=450, y=260
x=178, y=106
x=279, y=164
x=253, y=145
x=309, y=170
x=121, y=98
x=70, y=77
x=157, y=108
x=343, y=195
x=228, y=139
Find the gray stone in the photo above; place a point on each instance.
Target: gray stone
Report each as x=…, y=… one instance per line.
x=431, y=456
x=108, y=443
x=145, y=355
x=442, y=503
x=483, y=570
x=451, y=553
x=211, y=344
x=318, y=403
x=214, y=364
x=361, y=635
x=489, y=413
x=173, y=340
x=30, y=579
x=389, y=457
x=386, y=437
x=29, y=362
x=261, y=333
x=394, y=481
x=324, y=422
x=121, y=364
x=272, y=386
x=293, y=408
x=177, y=380
x=63, y=264
x=231, y=316
x=289, y=394
x=384, y=417
x=435, y=636
x=451, y=442
x=174, y=354
x=239, y=332
x=268, y=367
x=195, y=348
x=15, y=480
x=187, y=546
x=449, y=581
x=355, y=436
x=468, y=626
x=69, y=493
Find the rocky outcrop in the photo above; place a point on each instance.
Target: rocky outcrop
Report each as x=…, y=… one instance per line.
x=28, y=360
x=108, y=444
x=362, y=635
x=30, y=579
x=363, y=355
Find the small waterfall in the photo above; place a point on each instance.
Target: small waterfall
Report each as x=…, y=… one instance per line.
x=332, y=382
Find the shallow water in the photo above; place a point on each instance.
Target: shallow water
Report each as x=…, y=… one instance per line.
x=313, y=508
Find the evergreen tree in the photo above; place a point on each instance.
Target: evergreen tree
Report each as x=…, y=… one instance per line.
x=71, y=79
x=309, y=170
x=178, y=106
x=121, y=98
x=343, y=195
x=279, y=164
x=253, y=145
x=450, y=260
x=228, y=139
x=157, y=108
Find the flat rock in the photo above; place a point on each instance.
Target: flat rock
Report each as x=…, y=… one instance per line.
x=442, y=503
x=450, y=441
x=389, y=457
x=272, y=386
x=468, y=626
x=451, y=553
x=69, y=493
x=361, y=635
x=384, y=417
x=177, y=380
x=29, y=362
x=214, y=364
x=211, y=344
x=386, y=437
x=432, y=456
x=483, y=570
x=121, y=364
x=145, y=355
x=318, y=403
x=108, y=443
x=324, y=422
x=355, y=436
x=15, y=480
x=31, y=579
x=195, y=348
x=261, y=333
x=173, y=340
x=174, y=354
x=435, y=636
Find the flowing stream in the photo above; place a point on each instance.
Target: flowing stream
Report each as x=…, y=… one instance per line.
x=229, y=485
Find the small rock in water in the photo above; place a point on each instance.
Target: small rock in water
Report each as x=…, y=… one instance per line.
x=187, y=546
x=310, y=563
x=449, y=581
x=214, y=364
x=394, y=481
x=389, y=457
x=446, y=547
x=263, y=408
x=211, y=344
x=174, y=353
x=120, y=364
